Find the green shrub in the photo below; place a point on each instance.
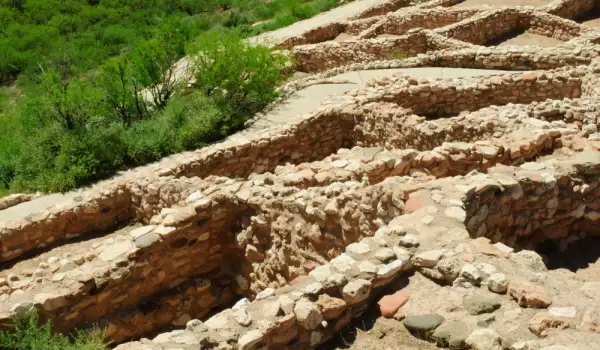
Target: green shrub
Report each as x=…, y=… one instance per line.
x=78, y=113
x=27, y=334
x=241, y=79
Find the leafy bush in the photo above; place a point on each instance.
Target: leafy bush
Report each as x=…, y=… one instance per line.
x=27, y=334
x=240, y=78
x=94, y=90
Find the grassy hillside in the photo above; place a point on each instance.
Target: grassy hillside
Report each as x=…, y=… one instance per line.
x=71, y=72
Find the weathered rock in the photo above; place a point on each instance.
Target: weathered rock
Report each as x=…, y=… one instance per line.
x=356, y=291
x=427, y=259
x=590, y=321
x=484, y=339
x=529, y=259
x=497, y=283
x=422, y=326
x=481, y=303
x=567, y=312
x=529, y=295
x=307, y=314
x=250, y=339
x=449, y=268
x=451, y=334
x=541, y=324
x=330, y=307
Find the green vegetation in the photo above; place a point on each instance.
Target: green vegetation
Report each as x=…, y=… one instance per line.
x=73, y=73
x=27, y=334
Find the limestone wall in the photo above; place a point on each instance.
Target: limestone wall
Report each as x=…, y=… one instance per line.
x=570, y=8
x=14, y=199
x=304, y=314
x=399, y=23
x=316, y=57
x=551, y=26
x=95, y=211
x=315, y=307
x=447, y=100
x=479, y=29
x=537, y=201
x=126, y=269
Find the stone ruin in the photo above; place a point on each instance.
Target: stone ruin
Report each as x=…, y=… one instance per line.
x=481, y=194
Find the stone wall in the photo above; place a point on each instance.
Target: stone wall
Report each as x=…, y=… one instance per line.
x=14, y=199
x=95, y=211
x=111, y=283
x=570, y=8
x=439, y=100
x=321, y=134
x=383, y=8
x=538, y=201
x=551, y=26
x=400, y=23
x=315, y=307
x=482, y=28
x=317, y=57
x=306, y=313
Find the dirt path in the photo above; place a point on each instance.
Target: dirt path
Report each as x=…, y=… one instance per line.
x=475, y=3
x=531, y=39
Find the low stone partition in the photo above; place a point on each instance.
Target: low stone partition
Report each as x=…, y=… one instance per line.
x=306, y=313
x=538, y=201
x=551, y=26
x=441, y=99
x=385, y=7
x=14, y=199
x=502, y=58
x=127, y=269
x=315, y=307
x=355, y=26
x=95, y=211
x=399, y=23
x=317, y=57
x=570, y=8
x=482, y=28
x=490, y=25
x=381, y=125
x=449, y=159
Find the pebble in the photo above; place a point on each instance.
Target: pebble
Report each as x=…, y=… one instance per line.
x=484, y=339
x=497, y=283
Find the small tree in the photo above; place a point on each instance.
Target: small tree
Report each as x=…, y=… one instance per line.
x=155, y=65
x=72, y=103
x=123, y=91
x=239, y=77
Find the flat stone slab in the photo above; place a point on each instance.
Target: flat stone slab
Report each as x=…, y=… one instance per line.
x=422, y=325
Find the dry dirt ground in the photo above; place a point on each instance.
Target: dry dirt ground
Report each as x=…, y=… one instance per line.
x=474, y=3
x=531, y=39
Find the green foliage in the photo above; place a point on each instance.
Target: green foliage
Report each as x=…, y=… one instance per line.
x=27, y=334
x=241, y=79
x=90, y=85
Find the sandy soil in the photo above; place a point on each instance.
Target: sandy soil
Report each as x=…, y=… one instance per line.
x=343, y=37
x=531, y=39
x=472, y=3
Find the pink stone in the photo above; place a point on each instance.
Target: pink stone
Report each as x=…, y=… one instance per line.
x=413, y=204
x=389, y=304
